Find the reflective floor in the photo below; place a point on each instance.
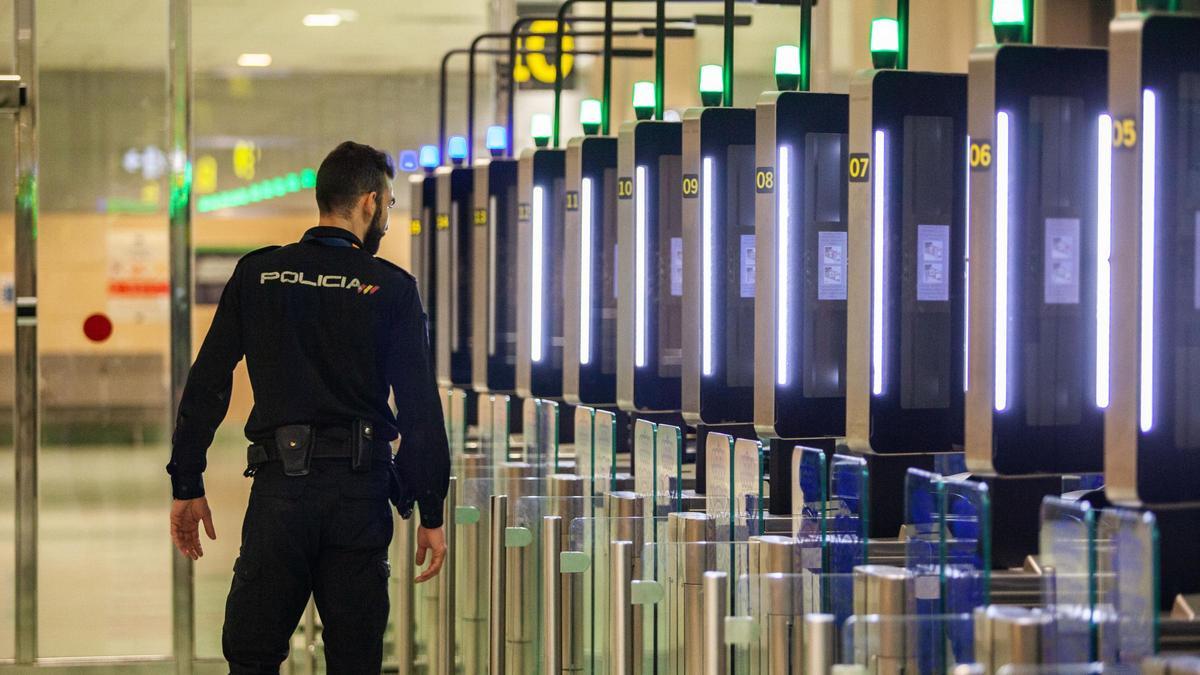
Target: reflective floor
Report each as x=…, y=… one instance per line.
x=104, y=558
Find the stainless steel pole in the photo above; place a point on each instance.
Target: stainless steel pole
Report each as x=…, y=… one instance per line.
x=551, y=596
x=25, y=409
x=496, y=584
x=405, y=596
x=179, y=213
x=819, y=632
x=445, y=638
x=620, y=612
x=716, y=590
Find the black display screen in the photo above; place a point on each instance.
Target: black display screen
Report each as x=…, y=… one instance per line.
x=825, y=242
x=666, y=291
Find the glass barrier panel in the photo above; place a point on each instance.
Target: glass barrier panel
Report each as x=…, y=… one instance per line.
x=585, y=467
x=1127, y=585
x=645, y=441
x=1071, y=669
x=604, y=451
x=547, y=445
x=950, y=463
x=897, y=644
x=846, y=512
x=1067, y=545
x=668, y=470
x=746, y=486
x=966, y=555
x=530, y=408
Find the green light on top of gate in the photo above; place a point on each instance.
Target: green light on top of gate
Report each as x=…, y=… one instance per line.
x=541, y=127
x=712, y=84
x=590, y=115
x=1010, y=21
x=885, y=42
x=643, y=99
x=787, y=67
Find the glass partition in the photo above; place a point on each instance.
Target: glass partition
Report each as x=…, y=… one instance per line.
x=1067, y=544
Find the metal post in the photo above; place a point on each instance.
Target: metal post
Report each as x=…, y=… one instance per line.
x=310, y=636
x=660, y=57
x=716, y=589
x=727, y=70
x=819, y=632
x=446, y=590
x=25, y=409
x=560, y=36
x=443, y=76
x=620, y=612
x=405, y=592
x=606, y=84
x=499, y=507
x=552, y=659
x=805, y=45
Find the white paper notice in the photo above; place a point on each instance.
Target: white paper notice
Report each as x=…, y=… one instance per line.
x=933, y=263
x=831, y=265
x=1062, y=261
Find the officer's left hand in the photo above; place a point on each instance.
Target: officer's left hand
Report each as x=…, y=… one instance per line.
x=186, y=516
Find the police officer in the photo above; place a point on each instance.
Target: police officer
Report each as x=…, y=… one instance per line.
x=326, y=329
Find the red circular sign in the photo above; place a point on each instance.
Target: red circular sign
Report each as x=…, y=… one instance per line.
x=97, y=327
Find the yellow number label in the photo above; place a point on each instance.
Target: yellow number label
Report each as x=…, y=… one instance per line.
x=764, y=180
x=859, y=167
x=1125, y=133
x=523, y=212
x=981, y=155
x=624, y=188
x=691, y=185
x=572, y=201
x=415, y=226
x=443, y=222
x=481, y=216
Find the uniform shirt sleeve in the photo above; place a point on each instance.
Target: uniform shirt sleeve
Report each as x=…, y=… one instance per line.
x=424, y=456
x=205, y=399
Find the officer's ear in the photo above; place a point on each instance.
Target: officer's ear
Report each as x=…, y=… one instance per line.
x=367, y=205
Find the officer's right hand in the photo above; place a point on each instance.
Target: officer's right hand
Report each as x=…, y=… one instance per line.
x=432, y=540
x=186, y=516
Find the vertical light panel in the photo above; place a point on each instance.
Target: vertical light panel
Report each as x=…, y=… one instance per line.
x=491, y=275
x=639, y=265
x=1104, y=131
x=706, y=267
x=1001, y=339
x=585, y=272
x=967, y=271
x=1149, y=214
x=783, y=224
x=877, y=257
x=536, y=291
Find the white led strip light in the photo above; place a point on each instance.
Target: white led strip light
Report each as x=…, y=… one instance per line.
x=877, y=255
x=1149, y=214
x=535, y=282
x=1001, y=319
x=706, y=271
x=585, y=272
x=782, y=301
x=639, y=274
x=1104, y=131
x=967, y=273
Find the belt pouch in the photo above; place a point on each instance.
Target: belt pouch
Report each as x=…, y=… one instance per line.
x=294, y=443
x=362, y=445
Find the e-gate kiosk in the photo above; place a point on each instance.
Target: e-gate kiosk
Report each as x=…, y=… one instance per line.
x=905, y=355
x=1036, y=309
x=455, y=254
x=800, y=303
x=718, y=187
x=1151, y=141
x=423, y=206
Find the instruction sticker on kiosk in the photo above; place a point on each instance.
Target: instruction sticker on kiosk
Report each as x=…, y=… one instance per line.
x=746, y=247
x=933, y=263
x=831, y=265
x=1062, y=261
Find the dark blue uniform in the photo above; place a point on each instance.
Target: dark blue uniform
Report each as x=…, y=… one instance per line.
x=327, y=331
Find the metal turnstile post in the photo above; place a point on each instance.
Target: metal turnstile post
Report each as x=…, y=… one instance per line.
x=496, y=585
x=627, y=510
x=716, y=602
x=568, y=491
x=620, y=612
x=819, y=644
x=446, y=649
x=885, y=592
x=520, y=574
x=473, y=561
x=685, y=532
x=772, y=560
x=551, y=595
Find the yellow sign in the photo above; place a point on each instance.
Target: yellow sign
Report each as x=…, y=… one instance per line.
x=245, y=159
x=415, y=227
x=535, y=65
x=206, y=175
x=1125, y=133
x=981, y=155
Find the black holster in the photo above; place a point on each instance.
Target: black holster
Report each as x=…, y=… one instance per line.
x=295, y=444
x=362, y=445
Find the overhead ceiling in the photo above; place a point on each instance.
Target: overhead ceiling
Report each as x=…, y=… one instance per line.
x=386, y=36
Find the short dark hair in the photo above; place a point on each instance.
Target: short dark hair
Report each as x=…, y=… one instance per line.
x=350, y=171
